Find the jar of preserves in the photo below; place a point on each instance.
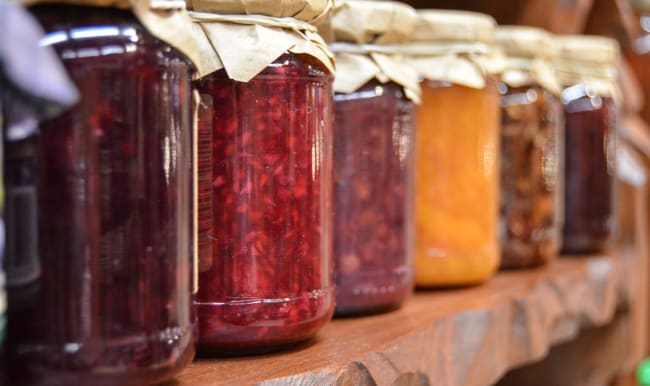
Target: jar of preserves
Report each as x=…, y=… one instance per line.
x=100, y=244
x=585, y=66
x=265, y=165
x=457, y=152
x=531, y=122
x=374, y=157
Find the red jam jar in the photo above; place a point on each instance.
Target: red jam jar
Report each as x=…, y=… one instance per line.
x=100, y=251
x=265, y=150
x=374, y=157
x=586, y=68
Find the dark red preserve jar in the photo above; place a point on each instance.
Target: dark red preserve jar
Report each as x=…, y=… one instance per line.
x=265, y=278
x=373, y=198
x=99, y=234
x=374, y=157
x=585, y=66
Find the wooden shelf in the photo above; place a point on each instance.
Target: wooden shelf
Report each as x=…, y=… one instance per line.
x=468, y=337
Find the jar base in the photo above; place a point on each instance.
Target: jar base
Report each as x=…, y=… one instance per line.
x=351, y=312
x=509, y=262
x=262, y=325
x=580, y=245
x=52, y=366
x=359, y=301
x=233, y=352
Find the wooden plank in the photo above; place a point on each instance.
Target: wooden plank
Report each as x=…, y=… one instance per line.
x=633, y=241
x=467, y=337
x=595, y=358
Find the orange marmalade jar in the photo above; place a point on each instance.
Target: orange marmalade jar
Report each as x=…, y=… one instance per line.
x=457, y=176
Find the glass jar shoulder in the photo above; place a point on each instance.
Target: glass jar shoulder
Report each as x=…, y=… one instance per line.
x=97, y=33
x=491, y=86
x=287, y=66
x=579, y=98
x=533, y=94
x=374, y=89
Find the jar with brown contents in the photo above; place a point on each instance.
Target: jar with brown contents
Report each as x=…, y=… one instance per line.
x=531, y=118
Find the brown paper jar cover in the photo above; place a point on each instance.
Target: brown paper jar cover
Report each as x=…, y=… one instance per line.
x=527, y=54
x=367, y=34
x=245, y=44
x=453, y=46
x=305, y=10
x=374, y=22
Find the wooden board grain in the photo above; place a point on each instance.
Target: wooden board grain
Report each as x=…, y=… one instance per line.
x=595, y=358
x=461, y=337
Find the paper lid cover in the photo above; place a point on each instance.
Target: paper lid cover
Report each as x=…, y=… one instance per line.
x=525, y=42
x=305, y=10
x=373, y=22
x=585, y=48
x=453, y=26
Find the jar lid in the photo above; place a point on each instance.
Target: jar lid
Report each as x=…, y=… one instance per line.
x=589, y=61
x=596, y=50
x=373, y=22
x=305, y=10
x=524, y=42
x=454, y=26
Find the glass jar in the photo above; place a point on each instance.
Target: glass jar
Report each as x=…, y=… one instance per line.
x=99, y=217
x=374, y=156
x=267, y=281
x=585, y=65
x=530, y=179
x=457, y=151
x=530, y=183
x=531, y=121
x=373, y=198
x=590, y=171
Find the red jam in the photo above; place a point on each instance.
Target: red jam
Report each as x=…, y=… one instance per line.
x=267, y=281
x=373, y=196
x=589, y=171
x=100, y=254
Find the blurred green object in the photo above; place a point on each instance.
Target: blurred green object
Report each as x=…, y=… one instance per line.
x=643, y=373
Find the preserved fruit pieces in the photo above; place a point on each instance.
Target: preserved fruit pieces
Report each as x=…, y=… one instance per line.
x=107, y=188
x=373, y=197
x=268, y=280
x=530, y=162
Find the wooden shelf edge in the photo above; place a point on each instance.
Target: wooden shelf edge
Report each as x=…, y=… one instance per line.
x=464, y=337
